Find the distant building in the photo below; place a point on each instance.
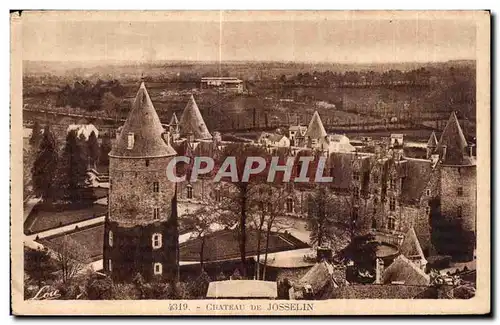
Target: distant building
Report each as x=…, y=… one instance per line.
x=225, y=83
x=273, y=140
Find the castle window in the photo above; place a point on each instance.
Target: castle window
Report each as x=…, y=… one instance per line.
x=147, y=162
x=427, y=210
x=130, y=141
x=391, y=223
x=459, y=211
x=110, y=266
x=189, y=192
x=355, y=193
x=158, y=268
x=428, y=192
x=391, y=183
x=217, y=196
x=156, y=187
x=375, y=178
x=460, y=191
x=110, y=238
x=156, y=213
x=392, y=204
x=289, y=205
x=355, y=176
x=156, y=241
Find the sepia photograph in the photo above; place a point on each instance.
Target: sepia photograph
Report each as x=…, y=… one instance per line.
x=250, y=162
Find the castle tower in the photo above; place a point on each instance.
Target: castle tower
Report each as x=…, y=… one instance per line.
x=174, y=124
x=140, y=197
x=431, y=145
x=458, y=189
x=192, y=123
x=315, y=131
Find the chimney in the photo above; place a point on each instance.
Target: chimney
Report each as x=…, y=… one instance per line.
x=379, y=269
x=323, y=253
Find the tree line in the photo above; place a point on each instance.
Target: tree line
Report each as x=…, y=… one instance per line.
x=60, y=174
x=91, y=96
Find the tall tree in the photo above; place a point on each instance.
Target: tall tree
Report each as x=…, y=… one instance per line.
x=93, y=149
x=321, y=222
x=104, y=151
x=36, y=135
x=201, y=223
x=44, y=167
x=235, y=207
x=72, y=173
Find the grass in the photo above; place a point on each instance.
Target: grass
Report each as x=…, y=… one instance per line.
x=91, y=239
x=44, y=218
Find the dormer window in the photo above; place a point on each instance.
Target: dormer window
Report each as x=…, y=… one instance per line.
x=130, y=141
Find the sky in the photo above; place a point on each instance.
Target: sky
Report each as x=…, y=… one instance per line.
x=251, y=36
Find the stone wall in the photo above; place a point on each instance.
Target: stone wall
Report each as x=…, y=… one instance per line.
x=131, y=195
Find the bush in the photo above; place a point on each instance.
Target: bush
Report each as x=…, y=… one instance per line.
x=99, y=288
x=198, y=288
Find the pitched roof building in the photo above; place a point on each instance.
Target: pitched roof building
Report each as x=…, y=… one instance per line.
x=404, y=271
x=452, y=146
x=142, y=133
x=192, y=123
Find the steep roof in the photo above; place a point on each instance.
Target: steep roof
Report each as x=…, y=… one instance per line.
x=433, y=142
x=410, y=247
x=417, y=174
x=192, y=122
x=143, y=122
x=404, y=270
x=456, y=144
x=174, y=120
x=315, y=130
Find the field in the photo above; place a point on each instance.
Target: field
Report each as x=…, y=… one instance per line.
x=42, y=218
x=91, y=239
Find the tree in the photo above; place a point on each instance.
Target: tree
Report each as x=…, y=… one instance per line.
x=36, y=135
x=321, y=221
x=93, y=149
x=104, y=151
x=235, y=206
x=39, y=265
x=199, y=287
x=72, y=172
x=266, y=208
x=201, y=222
x=110, y=104
x=172, y=244
x=99, y=287
x=44, y=167
x=70, y=257
x=362, y=250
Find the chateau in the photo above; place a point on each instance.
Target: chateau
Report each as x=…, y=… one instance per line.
x=383, y=192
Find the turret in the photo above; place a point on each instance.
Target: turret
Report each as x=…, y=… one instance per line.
x=140, y=197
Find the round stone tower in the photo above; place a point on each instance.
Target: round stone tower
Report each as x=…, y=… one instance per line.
x=458, y=190
x=140, y=197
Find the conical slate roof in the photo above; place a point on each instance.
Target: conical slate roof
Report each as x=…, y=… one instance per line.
x=456, y=145
x=315, y=130
x=410, y=247
x=192, y=122
x=433, y=142
x=145, y=126
x=174, y=120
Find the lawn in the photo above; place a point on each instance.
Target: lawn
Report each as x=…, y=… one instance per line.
x=44, y=218
x=90, y=238
x=224, y=245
